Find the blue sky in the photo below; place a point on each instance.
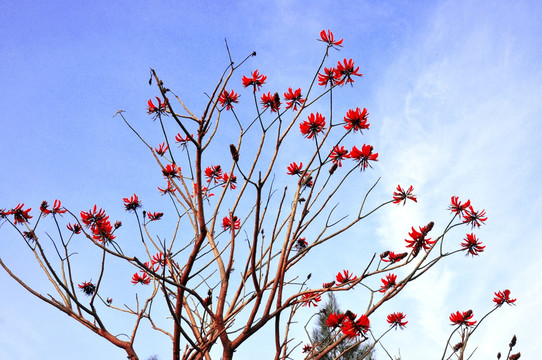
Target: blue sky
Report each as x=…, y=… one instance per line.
x=453, y=89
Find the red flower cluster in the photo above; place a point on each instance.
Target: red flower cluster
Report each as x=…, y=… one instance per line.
x=132, y=203
x=396, y=320
x=311, y=299
x=419, y=241
x=171, y=170
x=169, y=189
x=388, y=282
x=226, y=223
x=161, y=149
x=227, y=99
x=20, y=216
x=503, y=297
x=363, y=156
x=338, y=154
x=347, y=70
x=403, y=195
x=182, y=141
x=356, y=119
x=391, y=257
x=462, y=318
x=56, y=208
x=154, y=216
x=330, y=76
x=256, y=80
x=232, y=180
x=157, y=111
x=301, y=244
x=143, y=279
x=271, y=101
x=213, y=172
x=159, y=260
x=472, y=245
x=99, y=224
x=87, y=287
x=294, y=169
x=75, y=228
x=329, y=39
x=457, y=207
x=345, y=277
x=307, y=348
x=314, y=125
x=348, y=323
x=474, y=218
x=293, y=98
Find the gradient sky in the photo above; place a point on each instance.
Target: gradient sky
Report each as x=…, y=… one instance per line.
x=454, y=92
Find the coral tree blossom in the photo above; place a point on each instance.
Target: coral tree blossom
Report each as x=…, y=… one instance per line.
x=418, y=240
x=227, y=99
x=213, y=172
x=257, y=80
x=457, y=207
x=356, y=120
x=56, y=208
x=334, y=320
x=87, y=287
x=157, y=111
x=328, y=38
x=313, y=125
x=338, y=154
x=344, y=277
x=161, y=149
x=396, y=320
x=390, y=256
x=330, y=76
x=388, y=282
x=132, y=203
x=154, y=216
x=403, y=195
x=294, y=169
x=271, y=101
x=293, y=99
x=347, y=70
x=474, y=218
x=171, y=171
x=472, y=244
x=20, y=216
x=503, y=297
x=311, y=299
x=363, y=156
x=462, y=318
x=143, y=279
x=226, y=223
x=353, y=328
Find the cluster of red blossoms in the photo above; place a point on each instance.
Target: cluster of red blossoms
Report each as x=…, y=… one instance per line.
x=214, y=173
x=157, y=262
x=311, y=298
x=157, y=111
x=474, y=218
x=403, y=195
x=44, y=208
x=227, y=223
x=99, y=224
x=345, y=277
x=418, y=240
x=348, y=324
x=20, y=216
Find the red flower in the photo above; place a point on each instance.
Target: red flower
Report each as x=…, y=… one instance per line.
x=159, y=260
x=300, y=244
x=141, y=279
x=356, y=119
x=328, y=285
x=307, y=348
x=56, y=208
x=472, y=245
x=393, y=257
x=161, y=149
x=228, y=99
x=99, y=224
x=171, y=170
x=475, y=218
x=502, y=297
x=20, y=216
x=312, y=126
x=271, y=101
x=93, y=216
x=293, y=98
x=159, y=110
x=182, y=141
x=388, y=282
x=335, y=320
x=328, y=38
x=232, y=180
x=363, y=156
x=344, y=277
x=338, y=154
x=132, y=203
x=154, y=216
x=257, y=80
x=330, y=76
x=403, y=195
x=295, y=169
x=355, y=328
x=168, y=189
x=347, y=70
x=213, y=172
x=226, y=223
x=87, y=287
x=419, y=241
x=462, y=318
x=109, y=300
x=457, y=207
x=396, y=320
x=75, y=228
x=311, y=299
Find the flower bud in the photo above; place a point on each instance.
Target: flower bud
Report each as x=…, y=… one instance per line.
x=234, y=153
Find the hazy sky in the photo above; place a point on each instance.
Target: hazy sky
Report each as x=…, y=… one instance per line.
x=454, y=94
